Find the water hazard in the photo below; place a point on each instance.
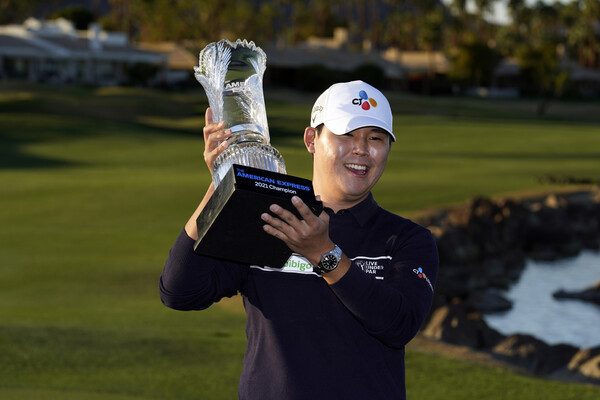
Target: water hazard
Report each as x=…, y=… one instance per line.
x=536, y=312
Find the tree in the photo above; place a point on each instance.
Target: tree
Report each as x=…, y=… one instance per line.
x=483, y=8
x=430, y=39
x=81, y=16
x=474, y=63
x=517, y=10
x=401, y=30
x=460, y=25
x=583, y=34
x=509, y=37
x=538, y=56
x=16, y=11
x=539, y=64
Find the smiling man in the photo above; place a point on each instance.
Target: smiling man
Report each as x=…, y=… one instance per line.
x=336, y=327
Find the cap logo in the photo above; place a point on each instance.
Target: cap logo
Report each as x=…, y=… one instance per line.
x=364, y=101
x=316, y=109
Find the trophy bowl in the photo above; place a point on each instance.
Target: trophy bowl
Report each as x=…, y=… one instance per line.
x=232, y=76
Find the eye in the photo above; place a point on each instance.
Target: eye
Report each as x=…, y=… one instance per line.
x=378, y=137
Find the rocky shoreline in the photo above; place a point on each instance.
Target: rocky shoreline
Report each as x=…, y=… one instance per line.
x=591, y=294
x=483, y=247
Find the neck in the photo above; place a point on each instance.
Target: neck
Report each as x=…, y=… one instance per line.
x=335, y=203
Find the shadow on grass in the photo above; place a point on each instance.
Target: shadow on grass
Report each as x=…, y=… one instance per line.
x=22, y=127
x=11, y=157
x=38, y=114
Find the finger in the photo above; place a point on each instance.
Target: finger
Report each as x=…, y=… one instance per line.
x=210, y=156
x=305, y=212
x=214, y=139
x=211, y=126
x=274, y=222
x=284, y=214
x=274, y=232
x=214, y=149
x=211, y=129
x=274, y=226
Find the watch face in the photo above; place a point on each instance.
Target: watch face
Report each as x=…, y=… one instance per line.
x=329, y=262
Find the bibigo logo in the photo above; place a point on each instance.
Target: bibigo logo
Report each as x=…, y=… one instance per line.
x=364, y=101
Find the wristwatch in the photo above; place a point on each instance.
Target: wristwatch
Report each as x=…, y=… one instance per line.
x=329, y=261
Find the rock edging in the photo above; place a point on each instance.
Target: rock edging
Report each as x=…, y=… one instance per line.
x=483, y=247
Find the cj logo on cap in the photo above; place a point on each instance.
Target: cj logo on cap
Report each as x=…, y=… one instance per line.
x=364, y=101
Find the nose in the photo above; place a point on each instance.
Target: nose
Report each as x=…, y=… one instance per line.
x=360, y=147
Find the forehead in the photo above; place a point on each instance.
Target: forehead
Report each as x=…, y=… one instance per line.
x=375, y=129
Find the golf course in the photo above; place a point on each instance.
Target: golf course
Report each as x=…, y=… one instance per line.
x=96, y=184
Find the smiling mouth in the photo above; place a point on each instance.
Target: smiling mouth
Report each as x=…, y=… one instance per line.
x=357, y=169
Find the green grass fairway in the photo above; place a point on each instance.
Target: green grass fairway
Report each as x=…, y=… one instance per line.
x=96, y=184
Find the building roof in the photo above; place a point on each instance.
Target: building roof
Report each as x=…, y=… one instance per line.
x=338, y=59
x=59, y=40
x=418, y=61
x=16, y=46
x=333, y=53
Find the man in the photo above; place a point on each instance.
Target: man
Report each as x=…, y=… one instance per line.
x=332, y=323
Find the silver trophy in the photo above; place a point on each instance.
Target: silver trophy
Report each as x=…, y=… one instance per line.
x=232, y=76
x=250, y=174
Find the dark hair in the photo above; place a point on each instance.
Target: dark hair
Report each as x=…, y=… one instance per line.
x=319, y=129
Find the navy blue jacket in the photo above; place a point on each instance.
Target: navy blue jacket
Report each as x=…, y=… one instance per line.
x=311, y=340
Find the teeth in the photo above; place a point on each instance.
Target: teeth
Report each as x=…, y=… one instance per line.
x=357, y=167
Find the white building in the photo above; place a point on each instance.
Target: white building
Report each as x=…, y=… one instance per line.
x=54, y=51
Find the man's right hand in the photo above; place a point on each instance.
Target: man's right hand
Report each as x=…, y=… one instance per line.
x=215, y=139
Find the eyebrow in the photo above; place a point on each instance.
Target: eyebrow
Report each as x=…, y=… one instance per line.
x=379, y=130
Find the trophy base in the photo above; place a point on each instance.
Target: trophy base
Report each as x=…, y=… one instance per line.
x=230, y=226
x=251, y=154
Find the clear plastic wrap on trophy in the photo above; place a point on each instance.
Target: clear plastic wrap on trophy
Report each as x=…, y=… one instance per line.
x=250, y=174
x=232, y=76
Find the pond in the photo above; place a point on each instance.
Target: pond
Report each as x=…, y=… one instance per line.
x=536, y=312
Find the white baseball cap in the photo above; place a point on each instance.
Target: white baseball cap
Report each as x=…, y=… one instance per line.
x=347, y=106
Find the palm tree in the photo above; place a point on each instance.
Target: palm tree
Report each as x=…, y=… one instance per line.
x=590, y=17
x=483, y=8
x=520, y=15
x=430, y=38
x=538, y=56
x=461, y=25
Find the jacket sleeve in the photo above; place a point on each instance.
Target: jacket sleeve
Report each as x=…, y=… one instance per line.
x=394, y=309
x=193, y=282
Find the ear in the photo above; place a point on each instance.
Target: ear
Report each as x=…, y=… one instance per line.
x=309, y=139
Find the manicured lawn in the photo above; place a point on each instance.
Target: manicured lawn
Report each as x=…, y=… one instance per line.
x=97, y=183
